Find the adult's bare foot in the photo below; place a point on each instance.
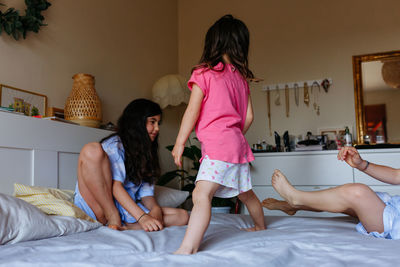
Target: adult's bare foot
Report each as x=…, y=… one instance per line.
x=274, y=204
x=283, y=187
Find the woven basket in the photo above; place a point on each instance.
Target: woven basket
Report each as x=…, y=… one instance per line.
x=83, y=105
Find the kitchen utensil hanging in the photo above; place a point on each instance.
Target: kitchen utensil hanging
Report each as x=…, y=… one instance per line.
x=287, y=99
x=315, y=93
x=296, y=93
x=325, y=84
x=277, y=96
x=269, y=110
x=306, y=94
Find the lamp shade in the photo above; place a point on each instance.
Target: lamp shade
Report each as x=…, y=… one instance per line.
x=170, y=90
x=391, y=73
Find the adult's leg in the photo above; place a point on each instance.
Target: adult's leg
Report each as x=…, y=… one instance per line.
x=255, y=209
x=282, y=205
x=199, y=218
x=367, y=206
x=95, y=184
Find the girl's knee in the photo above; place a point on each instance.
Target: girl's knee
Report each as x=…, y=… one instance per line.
x=183, y=217
x=243, y=197
x=92, y=152
x=200, y=196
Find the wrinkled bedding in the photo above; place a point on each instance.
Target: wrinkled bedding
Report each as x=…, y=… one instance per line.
x=289, y=241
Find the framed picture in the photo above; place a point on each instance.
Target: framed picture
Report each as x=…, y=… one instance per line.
x=22, y=101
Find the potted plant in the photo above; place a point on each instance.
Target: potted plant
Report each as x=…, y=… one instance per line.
x=188, y=178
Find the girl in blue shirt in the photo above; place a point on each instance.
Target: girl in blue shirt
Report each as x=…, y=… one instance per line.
x=124, y=166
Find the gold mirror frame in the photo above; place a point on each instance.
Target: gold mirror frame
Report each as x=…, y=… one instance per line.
x=358, y=88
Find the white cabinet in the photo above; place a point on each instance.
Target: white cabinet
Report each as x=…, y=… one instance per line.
x=316, y=170
x=41, y=152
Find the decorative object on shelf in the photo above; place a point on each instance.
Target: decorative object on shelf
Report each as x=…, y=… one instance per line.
x=15, y=25
x=170, y=90
x=83, y=105
x=391, y=73
x=22, y=101
x=109, y=126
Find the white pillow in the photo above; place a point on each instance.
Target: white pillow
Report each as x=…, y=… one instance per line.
x=169, y=197
x=21, y=221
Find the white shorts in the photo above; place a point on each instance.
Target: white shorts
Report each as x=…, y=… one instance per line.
x=234, y=178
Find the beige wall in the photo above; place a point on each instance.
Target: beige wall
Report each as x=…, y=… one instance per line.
x=129, y=44
x=296, y=41
x=126, y=45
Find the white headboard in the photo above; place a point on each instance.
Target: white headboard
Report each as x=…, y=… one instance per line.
x=41, y=152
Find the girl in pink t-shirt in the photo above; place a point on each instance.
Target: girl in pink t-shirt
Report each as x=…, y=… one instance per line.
x=220, y=108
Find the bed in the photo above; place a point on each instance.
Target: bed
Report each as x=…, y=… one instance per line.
x=289, y=241
x=44, y=153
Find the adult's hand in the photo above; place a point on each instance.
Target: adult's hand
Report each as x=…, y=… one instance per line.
x=351, y=156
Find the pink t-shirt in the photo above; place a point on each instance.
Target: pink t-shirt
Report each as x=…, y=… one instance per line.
x=222, y=114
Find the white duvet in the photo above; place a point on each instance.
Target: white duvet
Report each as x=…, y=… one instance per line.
x=289, y=241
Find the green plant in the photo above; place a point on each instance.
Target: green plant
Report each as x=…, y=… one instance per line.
x=15, y=25
x=193, y=153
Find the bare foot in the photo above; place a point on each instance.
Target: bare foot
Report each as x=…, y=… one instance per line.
x=185, y=251
x=117, y=227
x=253, y=229
x=283, y=187
x=274, y=204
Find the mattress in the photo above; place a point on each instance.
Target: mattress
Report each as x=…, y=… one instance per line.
x=288, y=241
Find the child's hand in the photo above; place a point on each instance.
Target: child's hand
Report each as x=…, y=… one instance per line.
x=177, y=154
x=150, y=224
x=156, y=213
x=351, y=156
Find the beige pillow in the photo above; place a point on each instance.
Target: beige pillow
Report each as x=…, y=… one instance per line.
x=51, y=201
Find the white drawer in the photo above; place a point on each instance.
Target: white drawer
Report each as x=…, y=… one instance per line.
x=387, y=159
x=264, y=192
x=314, y=169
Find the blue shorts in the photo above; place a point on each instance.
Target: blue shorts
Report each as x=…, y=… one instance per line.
x=81, y=203
x=391, y=218
x=125, y=216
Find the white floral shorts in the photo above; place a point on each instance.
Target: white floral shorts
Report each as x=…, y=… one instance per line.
x=234, y=178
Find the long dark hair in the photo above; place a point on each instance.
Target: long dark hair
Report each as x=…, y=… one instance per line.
x=228, y=36
x=141, y=154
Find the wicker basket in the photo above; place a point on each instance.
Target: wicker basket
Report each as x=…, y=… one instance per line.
x=83, y=105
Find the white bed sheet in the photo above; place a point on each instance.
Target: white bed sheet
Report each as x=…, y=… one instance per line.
x=289, y=241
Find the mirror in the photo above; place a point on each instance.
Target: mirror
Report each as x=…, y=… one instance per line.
x=377, y=97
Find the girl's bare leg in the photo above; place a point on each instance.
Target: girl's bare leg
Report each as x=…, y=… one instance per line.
x=95, y=184
x=199, y=218
x=172, y=216
x=367, y=206
x=255, y=210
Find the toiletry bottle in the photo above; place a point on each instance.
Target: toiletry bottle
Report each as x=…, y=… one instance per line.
x=264, y=145
x=347, y=137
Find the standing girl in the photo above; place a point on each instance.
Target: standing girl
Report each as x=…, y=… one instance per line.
x=124, y=166
x=220, y=107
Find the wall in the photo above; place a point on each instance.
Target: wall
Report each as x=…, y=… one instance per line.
x=296, y=41
x=126, y=45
